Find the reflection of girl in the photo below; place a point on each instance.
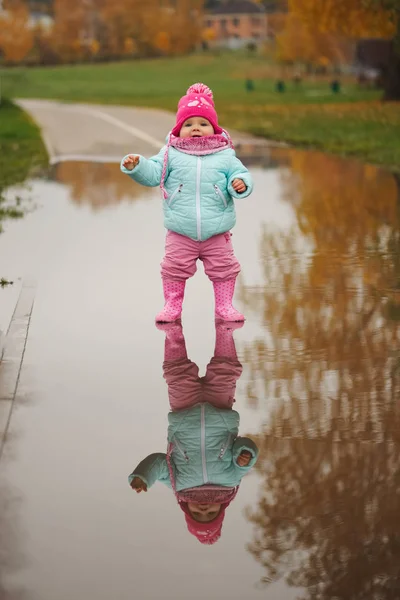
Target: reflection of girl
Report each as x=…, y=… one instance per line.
x=206, y=459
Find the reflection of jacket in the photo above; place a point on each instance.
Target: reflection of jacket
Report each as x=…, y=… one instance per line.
x=205, y=448
x=200, y=193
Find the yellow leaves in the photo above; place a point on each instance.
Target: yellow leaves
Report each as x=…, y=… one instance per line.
x=130, y=46
x=94, y=47
x=300, y=41
x=98, y=184
x=68, y=32
x=349, y=17
x=87, y=29
x=16, y=36
x=208, y=34
x=352, y=193
x=328, y=364
x=162, y=41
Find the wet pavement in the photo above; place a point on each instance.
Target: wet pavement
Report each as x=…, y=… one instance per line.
x=319, y=244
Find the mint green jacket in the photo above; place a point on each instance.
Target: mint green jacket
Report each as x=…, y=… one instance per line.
x=200, y=201
x=205, y=447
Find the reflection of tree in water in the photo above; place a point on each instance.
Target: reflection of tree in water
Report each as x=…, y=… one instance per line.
x=98, y=184
x=328, y=513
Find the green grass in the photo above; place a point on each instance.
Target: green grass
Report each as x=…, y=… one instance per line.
x=368, y=130
x=160, y=82
x=21, y=151
x=351, y=123
x=21, y=146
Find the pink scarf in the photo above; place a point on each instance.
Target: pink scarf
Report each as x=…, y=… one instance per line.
x=206, y=533
x=200, y=146
x=197, y=146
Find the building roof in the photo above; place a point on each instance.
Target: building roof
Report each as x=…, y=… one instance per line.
x=235, y=7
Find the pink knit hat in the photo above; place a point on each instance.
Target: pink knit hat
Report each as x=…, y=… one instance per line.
x=206, y=533
x=198, y=102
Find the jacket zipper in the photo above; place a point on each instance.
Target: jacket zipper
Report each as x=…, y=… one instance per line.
x=198, y=210
x=177, y=191
x=203, y=444
x=225, y=447
x=219, y=192
x=185, y=456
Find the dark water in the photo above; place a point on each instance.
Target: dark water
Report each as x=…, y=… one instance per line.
x=317, y=518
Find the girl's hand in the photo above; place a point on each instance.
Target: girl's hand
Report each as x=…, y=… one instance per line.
x=239, y=186
x=138, y=485
x=244, y=458
x=131, y=161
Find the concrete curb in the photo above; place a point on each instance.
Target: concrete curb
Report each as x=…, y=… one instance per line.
x=9, y=298
x=13, y=356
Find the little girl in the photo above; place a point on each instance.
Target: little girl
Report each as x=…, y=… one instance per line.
x=206, y=459
x=199, y=175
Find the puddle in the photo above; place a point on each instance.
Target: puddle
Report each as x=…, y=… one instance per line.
x=319, y=244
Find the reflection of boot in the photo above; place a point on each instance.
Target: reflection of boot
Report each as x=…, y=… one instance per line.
x=223, y=291
x=224, y=342
x=173, y=296
x=175, y=346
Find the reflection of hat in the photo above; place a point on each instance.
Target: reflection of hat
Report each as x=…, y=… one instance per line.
x=198, y=102
x=206, y=533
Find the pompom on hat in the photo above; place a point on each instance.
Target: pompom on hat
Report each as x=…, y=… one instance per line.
x=198, y=102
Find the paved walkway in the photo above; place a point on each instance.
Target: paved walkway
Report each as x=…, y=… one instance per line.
x=105, y=133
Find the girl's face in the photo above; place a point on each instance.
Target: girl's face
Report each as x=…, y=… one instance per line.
x=203, y=513
x=196, y=127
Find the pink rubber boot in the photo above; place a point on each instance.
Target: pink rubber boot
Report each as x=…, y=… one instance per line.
x=224, y=342
x=175, y=347
x=223, y=291
x=173, y=296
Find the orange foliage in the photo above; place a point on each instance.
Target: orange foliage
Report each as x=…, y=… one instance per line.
x=98, y=184
x=105, y=28
x=327, y=372
x=349, y=17
x=162, y=42
x=174, y=31
x=298, y=41
x=68, y=33
x=16, y=36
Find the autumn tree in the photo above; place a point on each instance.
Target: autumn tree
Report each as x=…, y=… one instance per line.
x=43, y=51
x=175, y=30
x=359, y=19
x=299, y=42
x=178, y=30
x=98, y=184
x=69, y=31
x=327, y=367
x=91, y=28
x=16, y=36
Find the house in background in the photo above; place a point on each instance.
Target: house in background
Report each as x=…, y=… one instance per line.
x=236, y=23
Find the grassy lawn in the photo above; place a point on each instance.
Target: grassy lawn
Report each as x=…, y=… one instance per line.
x=353, y=122
x=21, y=151
x=368, y=130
